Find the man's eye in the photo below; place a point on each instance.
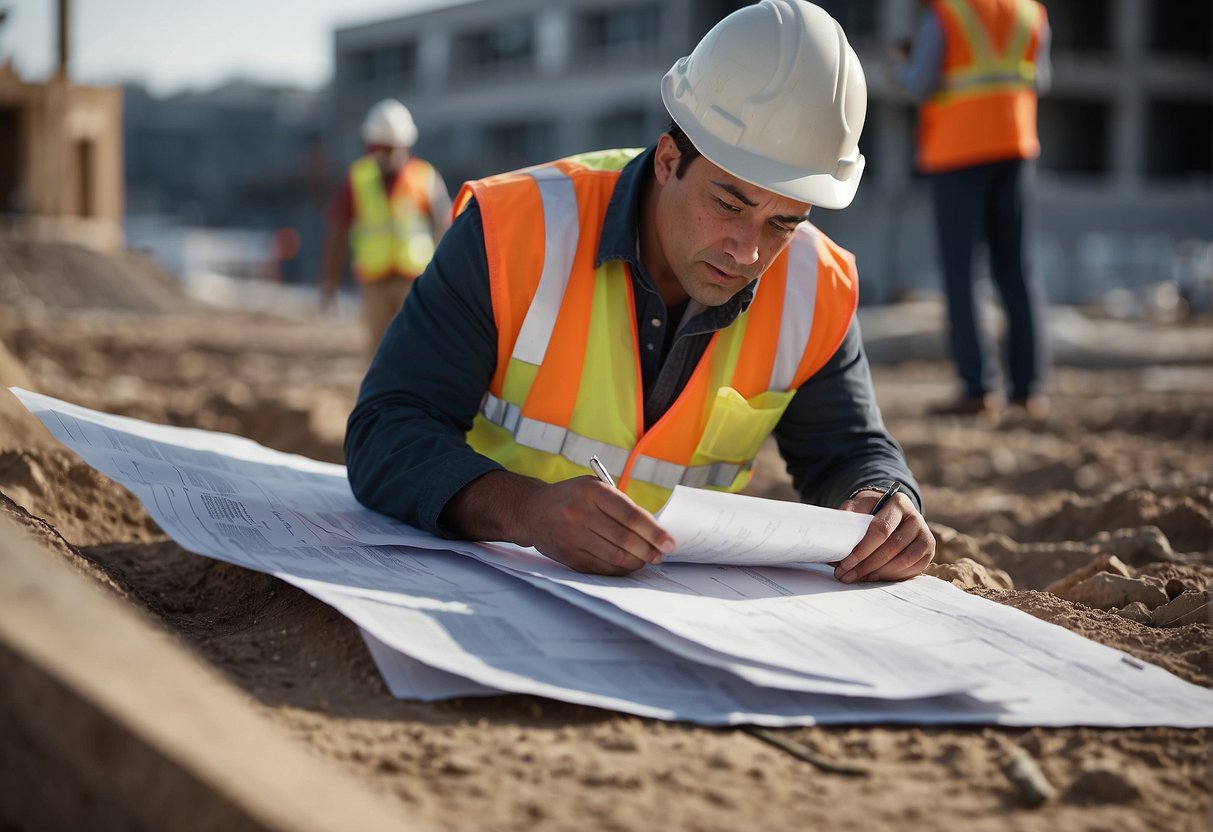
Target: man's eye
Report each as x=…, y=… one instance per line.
x=733, y=209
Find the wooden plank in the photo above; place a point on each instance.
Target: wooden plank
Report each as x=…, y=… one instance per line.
x=109, y=723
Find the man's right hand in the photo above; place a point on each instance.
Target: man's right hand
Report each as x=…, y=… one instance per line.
x=583, y=523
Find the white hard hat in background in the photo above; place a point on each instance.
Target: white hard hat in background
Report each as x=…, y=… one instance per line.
x=774, y=94
x=389, y=123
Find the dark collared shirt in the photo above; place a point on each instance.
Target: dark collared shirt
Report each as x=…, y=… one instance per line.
x=405, y=442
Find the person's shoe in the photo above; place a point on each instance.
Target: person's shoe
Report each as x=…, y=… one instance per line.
x=1036, y=406
x=986, y=405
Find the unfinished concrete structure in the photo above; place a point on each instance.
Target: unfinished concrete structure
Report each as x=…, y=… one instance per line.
x=60, y=155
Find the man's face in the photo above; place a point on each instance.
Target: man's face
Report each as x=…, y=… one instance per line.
x=714, y=233
x=391, y=157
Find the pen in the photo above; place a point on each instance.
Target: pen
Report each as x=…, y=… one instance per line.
x=600, y=471
x=885, y=497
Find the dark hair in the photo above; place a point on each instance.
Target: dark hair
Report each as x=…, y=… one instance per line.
x=688, y=152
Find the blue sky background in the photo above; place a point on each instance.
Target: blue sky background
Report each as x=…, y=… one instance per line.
x=171, y=45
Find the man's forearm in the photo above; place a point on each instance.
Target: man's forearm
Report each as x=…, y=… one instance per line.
x=493, y=507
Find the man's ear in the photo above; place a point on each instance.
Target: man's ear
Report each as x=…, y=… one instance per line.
x=665, y=159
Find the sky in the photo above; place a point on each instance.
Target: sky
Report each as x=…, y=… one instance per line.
x=172, y=45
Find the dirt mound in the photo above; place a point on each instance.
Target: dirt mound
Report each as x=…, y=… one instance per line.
x=43, y=276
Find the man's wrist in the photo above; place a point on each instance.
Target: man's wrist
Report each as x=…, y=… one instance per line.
x=879, y=486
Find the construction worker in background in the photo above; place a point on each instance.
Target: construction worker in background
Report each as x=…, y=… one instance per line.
x=392, y=209
x=976, y=68
x=664, y=309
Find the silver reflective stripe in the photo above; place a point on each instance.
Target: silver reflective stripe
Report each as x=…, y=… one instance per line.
x=561, y=229
x=552, y=439
x=666, y=475
x=799, y=301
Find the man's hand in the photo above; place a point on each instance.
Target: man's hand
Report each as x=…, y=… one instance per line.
x=583, y=523
x=591, y=527
x=897, y=545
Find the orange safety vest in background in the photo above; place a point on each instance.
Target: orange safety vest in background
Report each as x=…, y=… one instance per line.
x=985, y=108
x=567, y=383
x=391, y=233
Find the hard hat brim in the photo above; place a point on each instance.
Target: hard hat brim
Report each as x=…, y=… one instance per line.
x=815, y=188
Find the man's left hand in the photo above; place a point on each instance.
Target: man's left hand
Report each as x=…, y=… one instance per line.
x=896, y=546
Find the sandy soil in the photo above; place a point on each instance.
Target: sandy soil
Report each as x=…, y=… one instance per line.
x=1116, y=481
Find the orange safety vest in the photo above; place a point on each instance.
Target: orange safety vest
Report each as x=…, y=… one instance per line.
x=391, y=233
x=567, y=383
x=985, y=108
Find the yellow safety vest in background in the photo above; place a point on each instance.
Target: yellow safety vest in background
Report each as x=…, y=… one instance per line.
x=985, y=108
x=391, y=233
x=567, y=383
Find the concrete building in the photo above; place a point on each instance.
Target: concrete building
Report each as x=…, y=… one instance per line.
x=1126, y=175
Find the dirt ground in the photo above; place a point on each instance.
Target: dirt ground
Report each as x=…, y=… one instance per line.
x=1116, y=479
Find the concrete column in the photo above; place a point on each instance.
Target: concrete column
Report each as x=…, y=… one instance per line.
x=1129, y=101
x=433, y=59
x=553, y=30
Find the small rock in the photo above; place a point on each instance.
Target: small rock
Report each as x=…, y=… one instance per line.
x=1137, y=611
x=1192, y=607
x=1103, y=563
x=1147, y=544
x=1103, y=782
x=968, y=574
x=1106, y=591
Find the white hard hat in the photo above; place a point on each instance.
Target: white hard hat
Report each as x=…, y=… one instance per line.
x=389, y=123
x=775, y=95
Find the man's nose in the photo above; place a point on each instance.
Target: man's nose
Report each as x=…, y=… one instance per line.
x=742, y=244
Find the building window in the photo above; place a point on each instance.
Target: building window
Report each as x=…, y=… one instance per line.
x=396, y=63
x=518, y=144
x=1179, y=141
x=1183, y=27
x=619, y=34
x=508, y=47
x=858, y=18
x=1081, y=25
x=1074, y=135
x=623, y=128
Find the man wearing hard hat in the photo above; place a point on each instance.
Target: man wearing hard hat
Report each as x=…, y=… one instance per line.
x=664, y=310
x=392, y=209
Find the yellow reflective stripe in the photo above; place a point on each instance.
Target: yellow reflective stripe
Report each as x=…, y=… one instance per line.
x=975, y=32
x=1025, y=23
x=978, y=90
x=799, y=301
x=562, y=229
x=552, y=439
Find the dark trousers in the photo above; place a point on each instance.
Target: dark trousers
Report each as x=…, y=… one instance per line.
x=993, y=203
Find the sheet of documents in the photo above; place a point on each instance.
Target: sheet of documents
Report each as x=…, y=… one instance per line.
x=716, y=644
x=715, y=527
x=1040, y=673
x=506, y=635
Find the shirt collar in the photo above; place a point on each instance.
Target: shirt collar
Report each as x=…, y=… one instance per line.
x=620, y=239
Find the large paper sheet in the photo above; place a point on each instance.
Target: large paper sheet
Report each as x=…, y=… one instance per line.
x=735, y=529
x=1041, y=674
x=622, y=643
